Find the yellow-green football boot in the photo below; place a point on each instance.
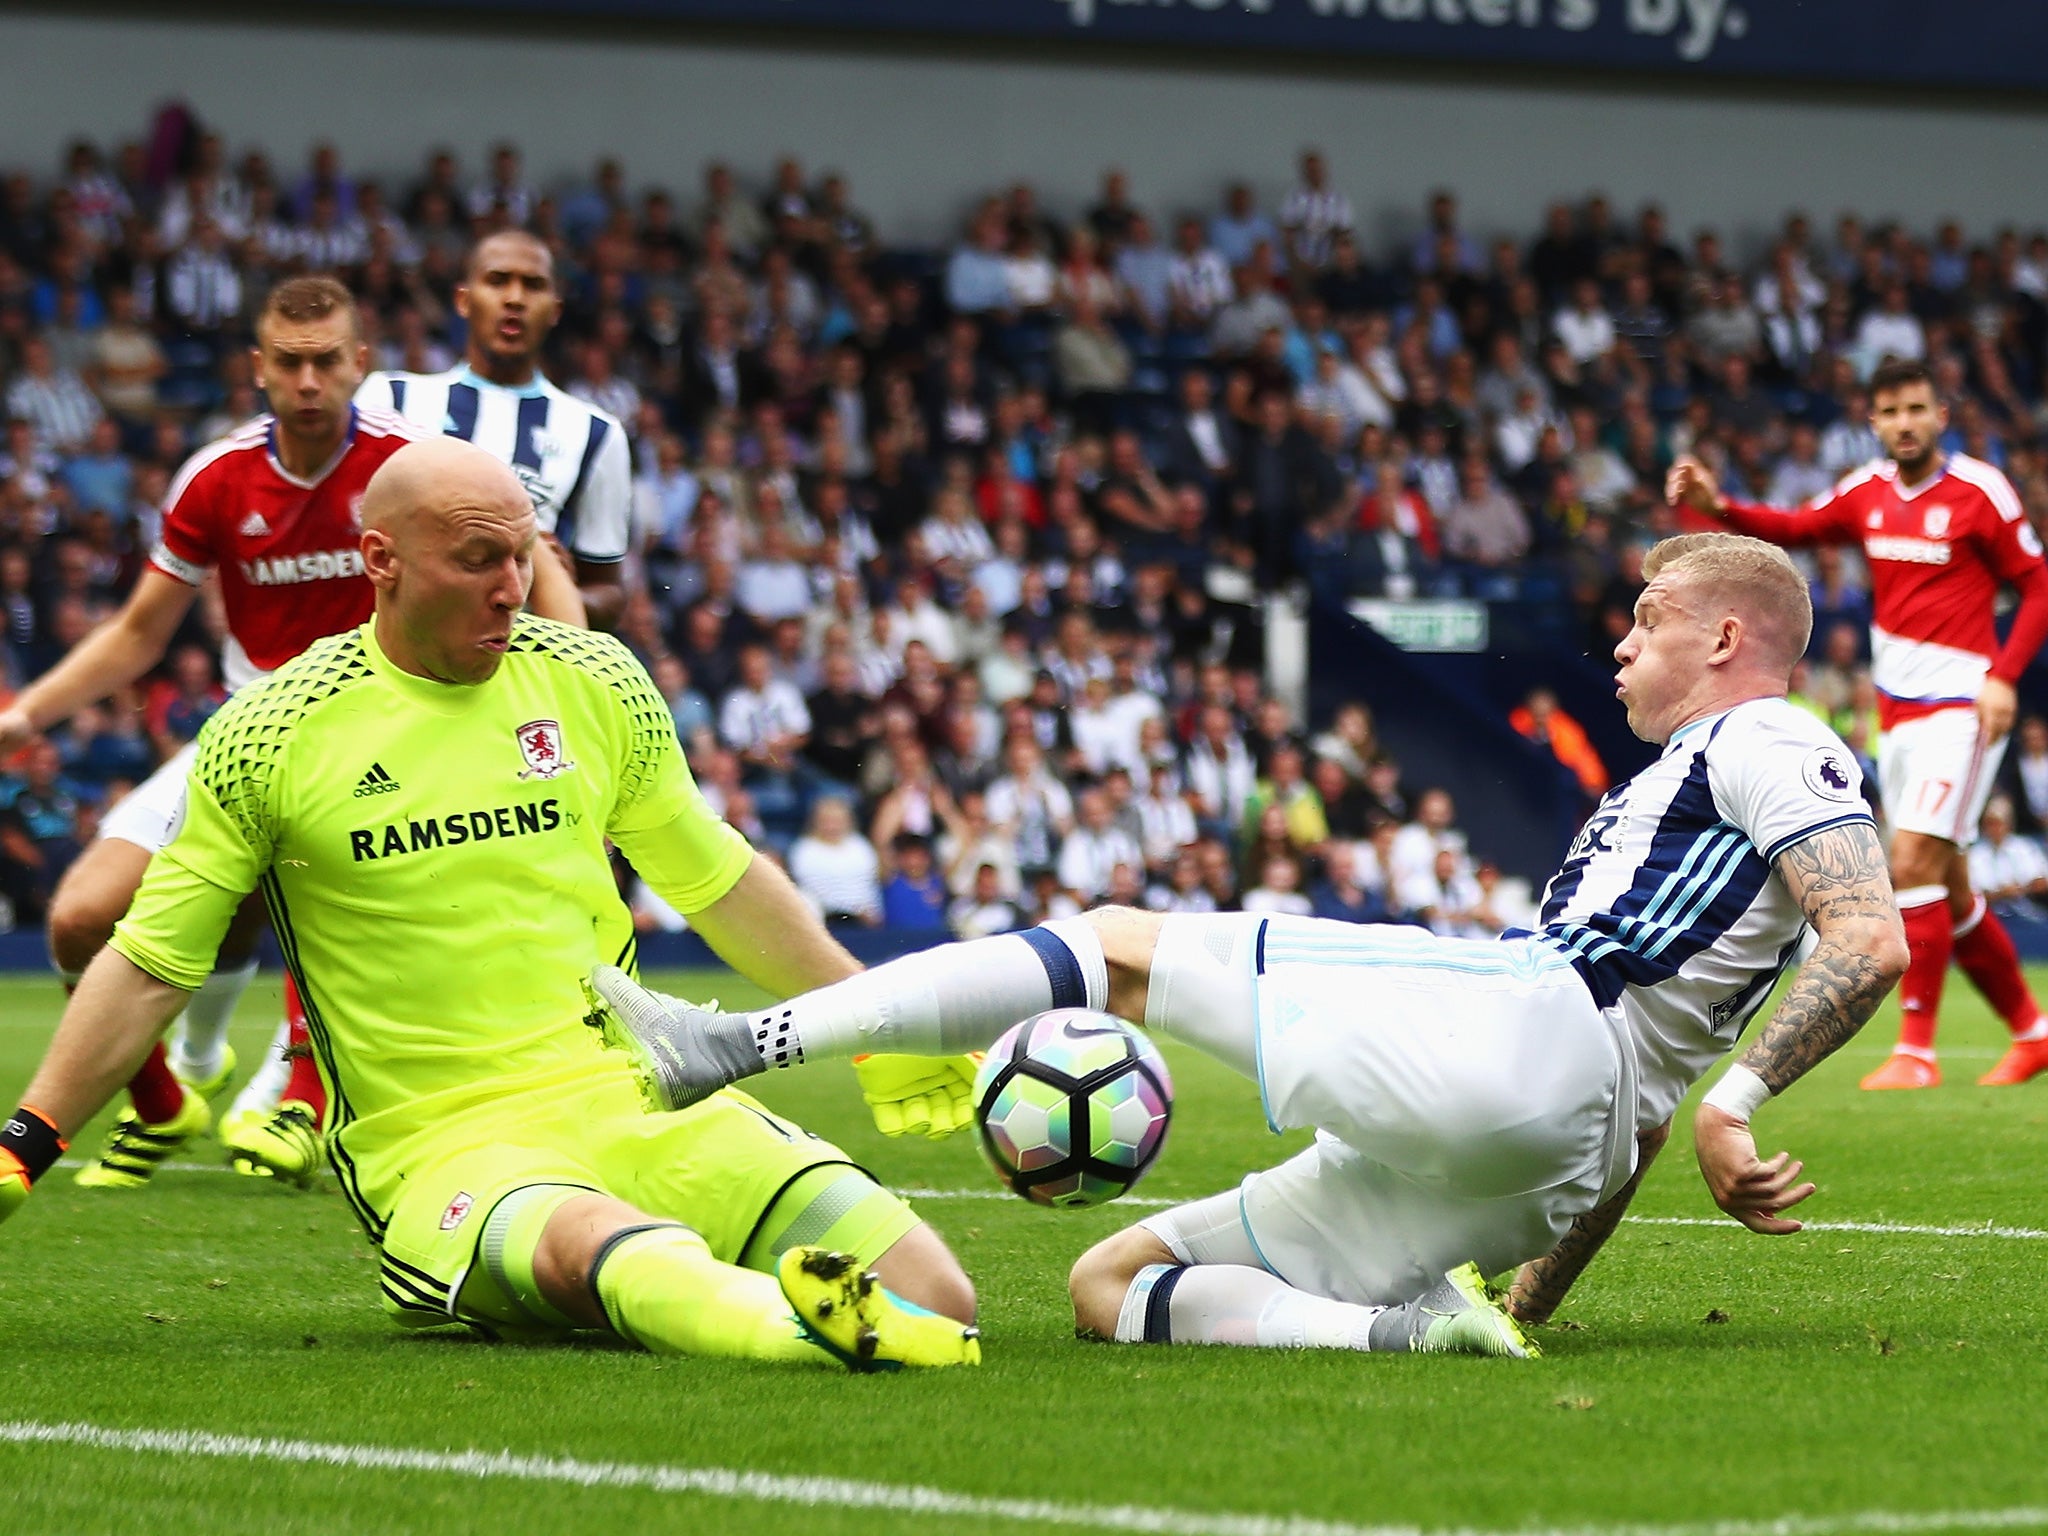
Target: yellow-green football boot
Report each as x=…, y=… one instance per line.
x=284, y=1144
x=136, y=1148
x=847, y=1313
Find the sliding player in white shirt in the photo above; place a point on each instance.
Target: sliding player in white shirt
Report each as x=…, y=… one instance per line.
x=1475, y=1102
x=571, y=457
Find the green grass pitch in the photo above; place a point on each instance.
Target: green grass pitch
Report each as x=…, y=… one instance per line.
x=1700, y=1375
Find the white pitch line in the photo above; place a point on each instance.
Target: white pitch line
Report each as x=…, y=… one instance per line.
x=718, y=1482
x=1157, y=1203
x=1875, y=1228
x=913, y=1499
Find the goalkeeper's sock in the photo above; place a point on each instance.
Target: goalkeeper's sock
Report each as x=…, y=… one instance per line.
x=662, y=1289
x=199, y=1039
x=155, y=1092
x=941, y=1002
x=1236, y=1304
x=510, y=1238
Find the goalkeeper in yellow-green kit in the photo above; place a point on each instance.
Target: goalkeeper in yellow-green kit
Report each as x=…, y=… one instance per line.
x=424, y=803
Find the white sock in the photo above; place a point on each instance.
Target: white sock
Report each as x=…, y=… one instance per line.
x=957, y=997
x=265, y=1090
x=1082, y=942
x=201, y=1032
x=1236, y=1304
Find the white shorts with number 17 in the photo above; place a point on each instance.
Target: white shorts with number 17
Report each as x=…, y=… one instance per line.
x=1935, y=774
x=1468, y=1096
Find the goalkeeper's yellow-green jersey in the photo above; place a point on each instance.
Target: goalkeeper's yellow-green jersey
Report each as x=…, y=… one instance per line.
x=433, y=857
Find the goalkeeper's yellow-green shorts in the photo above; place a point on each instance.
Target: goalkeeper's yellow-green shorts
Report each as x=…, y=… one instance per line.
x=749, y=1182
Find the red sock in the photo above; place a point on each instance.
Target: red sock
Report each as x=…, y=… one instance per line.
x=1929, y=941
x=304, y=1084
x=1984, y=950
x=157, y=1095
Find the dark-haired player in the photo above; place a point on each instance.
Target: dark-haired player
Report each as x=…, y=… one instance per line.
x=570, y=456
x=1943, y=533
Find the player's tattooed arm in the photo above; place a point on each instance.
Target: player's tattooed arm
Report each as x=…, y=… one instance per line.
x=1839, y=879
x=1542, y=1283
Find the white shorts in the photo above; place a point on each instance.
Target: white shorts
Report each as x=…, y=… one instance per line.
x=1468, y=1097
x=150, y=814
x=1935, y=773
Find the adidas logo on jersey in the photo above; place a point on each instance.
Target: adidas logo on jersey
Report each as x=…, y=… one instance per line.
x=375, y=782
x=254, y=527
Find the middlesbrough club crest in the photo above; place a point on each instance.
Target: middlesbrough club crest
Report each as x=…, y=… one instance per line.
x=540, y=743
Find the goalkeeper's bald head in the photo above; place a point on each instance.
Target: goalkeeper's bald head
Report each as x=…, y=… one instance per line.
x=433, y=481
x=448, y=544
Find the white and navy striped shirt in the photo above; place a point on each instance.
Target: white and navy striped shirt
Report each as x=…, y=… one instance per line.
x=571, y=457
x=1668, y=904
x=58, y=405
x=1201, y=283
x=202, y=288
x=1312, y=217
x=334, y=247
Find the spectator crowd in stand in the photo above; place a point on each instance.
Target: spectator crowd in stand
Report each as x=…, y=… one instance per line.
x=949, y=561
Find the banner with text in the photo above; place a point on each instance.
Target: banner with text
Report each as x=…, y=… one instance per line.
x=2001, y=43
x=1442, y=624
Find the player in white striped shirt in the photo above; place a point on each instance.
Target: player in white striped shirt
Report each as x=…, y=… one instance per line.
x=1199, y=278
x=1475, y=1102
x=53, y=400
x=571, y=457
x=1313, y=213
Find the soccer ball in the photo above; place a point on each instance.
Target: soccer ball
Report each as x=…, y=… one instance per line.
x=1073, y=1107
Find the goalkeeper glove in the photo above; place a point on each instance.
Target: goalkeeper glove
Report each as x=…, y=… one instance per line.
x=919, y=1095
x=29, y=1146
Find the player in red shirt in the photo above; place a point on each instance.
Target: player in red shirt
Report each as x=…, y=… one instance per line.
x=271, y=509
x=1942, y=534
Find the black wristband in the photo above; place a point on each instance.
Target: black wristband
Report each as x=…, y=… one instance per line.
x=32, y=1139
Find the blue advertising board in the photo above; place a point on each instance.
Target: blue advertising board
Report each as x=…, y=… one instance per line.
x=1992, y=43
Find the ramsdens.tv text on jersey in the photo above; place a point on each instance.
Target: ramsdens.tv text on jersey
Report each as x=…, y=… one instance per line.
x=453, y=830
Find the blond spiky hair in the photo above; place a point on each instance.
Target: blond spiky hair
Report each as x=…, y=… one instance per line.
x=1756, y=578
